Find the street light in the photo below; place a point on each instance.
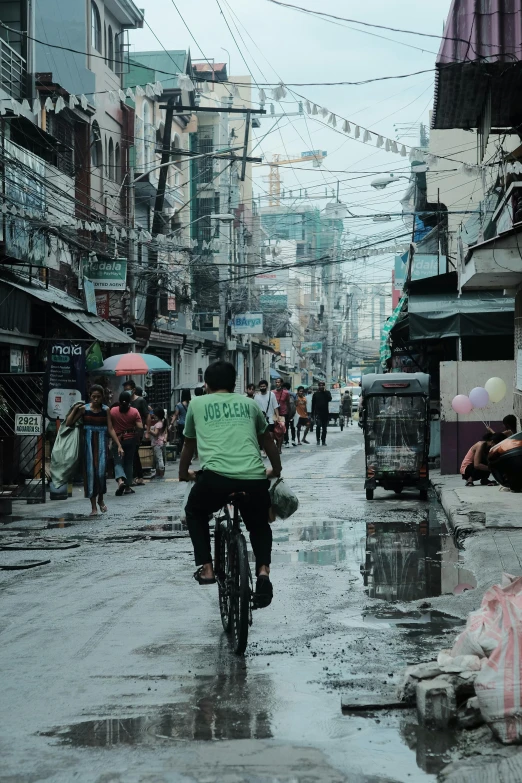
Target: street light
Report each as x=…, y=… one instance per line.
x=382, y=182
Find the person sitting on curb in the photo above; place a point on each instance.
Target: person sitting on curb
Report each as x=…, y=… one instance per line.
x=475, y=464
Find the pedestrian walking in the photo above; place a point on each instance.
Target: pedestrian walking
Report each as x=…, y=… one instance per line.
x=251, y=391
x=138, y=402
x=320, y=412
x=282, y=396
x=346, y=406
x=301, y=405
x=158, y=438
x=267, y=402
x=290, y=421
x=128, y=426
x=97, y=429
x=179, y=417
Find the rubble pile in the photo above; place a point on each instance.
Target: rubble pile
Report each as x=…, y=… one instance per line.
x=479, y=680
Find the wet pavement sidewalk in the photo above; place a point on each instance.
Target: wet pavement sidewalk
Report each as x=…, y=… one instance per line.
x=115, y=666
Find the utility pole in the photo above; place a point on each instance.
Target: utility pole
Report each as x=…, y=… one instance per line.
x=151, y=305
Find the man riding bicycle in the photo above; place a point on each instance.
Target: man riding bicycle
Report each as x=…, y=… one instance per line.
x=228, y=430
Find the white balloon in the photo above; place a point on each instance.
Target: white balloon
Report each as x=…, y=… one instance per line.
x=496, y=388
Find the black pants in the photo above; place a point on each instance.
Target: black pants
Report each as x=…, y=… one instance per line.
x=472, y=473
x=137, y=469
x=289, y=422
x=321, y=425
x=210, y=493
x=181, y=437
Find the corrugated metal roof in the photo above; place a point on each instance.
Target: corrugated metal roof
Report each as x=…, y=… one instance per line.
x=481, y=38
x=72, y=309
x=98, y=328
x=51, y=295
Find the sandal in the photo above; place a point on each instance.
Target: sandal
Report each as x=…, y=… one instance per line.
x=264, y=592
x=103, y=508
x=93, y=514
x=201, y=579
x=489, y=484
x=121, y=489
x=129, y=491
x=138, y=483
x=469, y=484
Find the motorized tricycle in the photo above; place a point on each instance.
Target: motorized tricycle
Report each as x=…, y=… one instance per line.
x=396, y=424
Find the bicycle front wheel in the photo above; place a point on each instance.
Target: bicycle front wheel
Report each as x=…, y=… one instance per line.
x=221, y=566
x=239, y=593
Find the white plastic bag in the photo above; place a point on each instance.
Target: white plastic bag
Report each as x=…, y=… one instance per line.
x=284, y=500
x=499, y=683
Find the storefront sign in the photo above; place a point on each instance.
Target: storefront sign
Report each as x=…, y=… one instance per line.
x=271, y=276
x=28, y=424
x=106, y=275
x=273, y=301
x=103, y=302
x=311, y=347
x=247, y=323
x=64, y=377
x=129, y=330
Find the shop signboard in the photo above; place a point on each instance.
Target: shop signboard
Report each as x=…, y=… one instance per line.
x=106, y=274
x=103, y=302
x=247, y=323
x=64, y=377
x=311, y=347
x=271, y=276
x=273, y=301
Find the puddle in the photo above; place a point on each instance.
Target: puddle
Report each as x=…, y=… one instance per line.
x=326, y=555
x=430, y=620
x=411, y=560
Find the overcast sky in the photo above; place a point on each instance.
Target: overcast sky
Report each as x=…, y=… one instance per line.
x=280, y=43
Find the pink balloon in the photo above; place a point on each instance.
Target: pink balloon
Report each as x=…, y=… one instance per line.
x=461, y=404
x=479, y=397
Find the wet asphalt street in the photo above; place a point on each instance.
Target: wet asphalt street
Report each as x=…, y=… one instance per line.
x=115, y=667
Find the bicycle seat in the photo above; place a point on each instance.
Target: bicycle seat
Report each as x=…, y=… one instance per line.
x=235, y=496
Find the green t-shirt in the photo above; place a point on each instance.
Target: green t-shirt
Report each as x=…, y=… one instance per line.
x=226, y=427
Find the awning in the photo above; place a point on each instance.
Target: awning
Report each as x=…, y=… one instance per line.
x=475, y=313
x=480, y=54
x=385, y=350
x=72, y=309
x=96, y=327
x=274, y=374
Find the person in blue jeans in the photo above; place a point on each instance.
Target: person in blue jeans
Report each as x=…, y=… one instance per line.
x=127, y=424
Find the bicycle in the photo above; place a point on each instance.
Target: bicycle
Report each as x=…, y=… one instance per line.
x=233, y=575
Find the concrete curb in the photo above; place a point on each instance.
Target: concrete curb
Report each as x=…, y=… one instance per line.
x=463, y=518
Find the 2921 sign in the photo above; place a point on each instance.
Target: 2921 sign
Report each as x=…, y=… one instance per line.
x=28, y=424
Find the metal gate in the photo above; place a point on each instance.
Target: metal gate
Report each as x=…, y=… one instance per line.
x=22, y=437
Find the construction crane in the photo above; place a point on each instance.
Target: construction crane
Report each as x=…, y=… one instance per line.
x=274, y=175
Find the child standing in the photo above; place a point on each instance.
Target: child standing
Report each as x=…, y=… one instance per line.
x=158, y=438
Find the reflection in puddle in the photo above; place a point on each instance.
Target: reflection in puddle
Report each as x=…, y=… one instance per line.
x=224, y=707
x=432, y=748
x=409, y=560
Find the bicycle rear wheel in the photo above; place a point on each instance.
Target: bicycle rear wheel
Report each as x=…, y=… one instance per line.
x=239, y=593
x=221, y=566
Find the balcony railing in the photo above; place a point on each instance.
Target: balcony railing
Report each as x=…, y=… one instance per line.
x=12, y=71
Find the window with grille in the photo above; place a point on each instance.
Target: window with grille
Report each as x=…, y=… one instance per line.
x=160, y=393
x=205, y=147
x=63, y=132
